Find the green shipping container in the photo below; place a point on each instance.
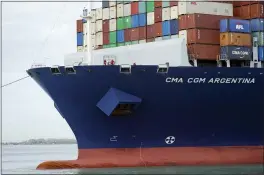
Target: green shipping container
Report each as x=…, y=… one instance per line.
x=109, y=46
x=127, y=21
x=150, y=6
x=134, y=42
x=120, y=23
x=120, y=44
x=112, y=45
x=260, y=36
x=112, y=37
x=128, y=43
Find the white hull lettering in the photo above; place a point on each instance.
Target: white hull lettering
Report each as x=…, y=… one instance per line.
x=210, y=80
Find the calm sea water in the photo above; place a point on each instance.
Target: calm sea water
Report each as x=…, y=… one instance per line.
x=23, y=159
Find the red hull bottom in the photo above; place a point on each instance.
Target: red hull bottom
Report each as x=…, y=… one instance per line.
x=136, y=157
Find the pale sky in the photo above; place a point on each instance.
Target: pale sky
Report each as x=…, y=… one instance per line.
x=27, y=37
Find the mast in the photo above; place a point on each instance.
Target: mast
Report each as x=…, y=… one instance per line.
x=88, y=18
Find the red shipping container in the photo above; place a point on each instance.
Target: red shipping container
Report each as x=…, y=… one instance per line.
x=202, y=21
x=150, y=40
x=242, y=12
x=257, y=10
x=158, y=3
x=142, y=33
x=135, y=34
x=203, y=36
x=106, y=25
x=173, y=3
x=79, y=24
x=151, y=31
x=203, y=51
x=134, y=8
x=105, y=38
x=158, y=29
x=158, y=14
x=127, y=35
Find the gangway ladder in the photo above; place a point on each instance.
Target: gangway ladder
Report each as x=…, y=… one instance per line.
x=255, y=62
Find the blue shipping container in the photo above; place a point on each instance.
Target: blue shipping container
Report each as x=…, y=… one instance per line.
x=261, y=53
x=80, y=39
x=257, y=25
x=165, y=28
x=120, y=36
x=236, y=53
x=174, y=27
x=142, y=18
x=142, y=7
x=235, y=25
x=165, y=4
x=134, y=21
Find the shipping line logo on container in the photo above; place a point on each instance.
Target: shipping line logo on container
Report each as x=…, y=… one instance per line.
x=210, y=80
x=239, y=27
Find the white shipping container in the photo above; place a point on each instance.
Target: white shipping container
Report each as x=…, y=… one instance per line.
x=166, y=13
x=112, y=25
x=120, y=10
x=99, y=26
x=150, y=18
x=99, y=39
x=92, y=13
x=106, y=13
x=211, y=8
x=92, y=32
x=142, y=41
x=183, y=34
x=174, y=12
x=113, y=12
x=79, y=48
x=127, y=9
x=99, y=13
x=158, y=39
x=112, y=3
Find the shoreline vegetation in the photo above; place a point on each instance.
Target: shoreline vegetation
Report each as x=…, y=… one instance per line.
x=42, y=142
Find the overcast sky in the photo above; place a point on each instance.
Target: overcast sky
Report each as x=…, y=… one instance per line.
x=27, y=37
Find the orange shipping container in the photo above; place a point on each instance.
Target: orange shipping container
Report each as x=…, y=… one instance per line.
x=203, y=36
x=203, y=51
x=235, y=39
x=158, y=3
x=79, y=25
x=242, y=12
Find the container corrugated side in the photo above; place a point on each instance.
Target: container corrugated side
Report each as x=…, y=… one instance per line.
x=112, y=25
x=112, y=12
x=134, y=8
x=80, y=39
x=150, y=18
x=261, y=53
x=99, y=38
x=106, y=13
x=127, y=9
x=257, y=25
x=99, y=26
x=212, y=8
x=142, y=18
x=174, y=26
x=79, y=25
x=201, y=36
x=158, y=14
x=236, y=53
x=99, y=13
x=166, y=14
x=174, y=12
x=203, y=51
x=260, y=37
x=235, y=25
x=166, y=28
x=105, y=4
x=120, y=36
x=120, y=10
x=235, y=39
x=141, y=7
x=134, y=21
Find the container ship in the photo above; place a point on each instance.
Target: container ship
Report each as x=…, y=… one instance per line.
x=163, y=83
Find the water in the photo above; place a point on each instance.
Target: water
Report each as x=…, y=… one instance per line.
x=23, y=159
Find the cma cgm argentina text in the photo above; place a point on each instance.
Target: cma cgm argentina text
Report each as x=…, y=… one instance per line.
x=157, y=114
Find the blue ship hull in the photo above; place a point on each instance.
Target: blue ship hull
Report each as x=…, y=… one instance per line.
x=217, y=109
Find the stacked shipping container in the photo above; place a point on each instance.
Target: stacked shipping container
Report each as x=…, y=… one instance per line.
x=235, y=39
x=80, y=34
x=253, y=11
x=199, y=24
x=131, y=22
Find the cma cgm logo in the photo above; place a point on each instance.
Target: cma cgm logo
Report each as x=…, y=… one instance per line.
x=239, y=52
x=239, y=27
